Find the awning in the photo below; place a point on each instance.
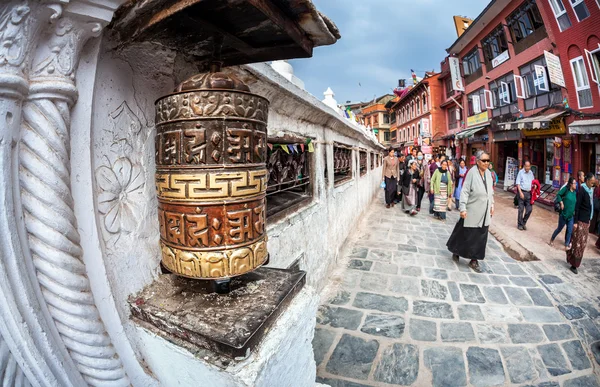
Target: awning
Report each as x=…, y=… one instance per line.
x=538, y=122
x=470, y=132
x=585, y=127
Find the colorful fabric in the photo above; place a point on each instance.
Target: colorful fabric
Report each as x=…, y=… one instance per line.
x=462, y=172
x=569, y=199
x=535, y=190
x=441, y=199
x=409, y=202
x=436, y=181
x=578, y=244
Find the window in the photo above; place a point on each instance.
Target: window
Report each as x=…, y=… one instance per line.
x=414, y=132
x=418, y=107
x=526, y=26
x=493, y=45
x=424, y=103
x=342, y=164
x=594, y=63
x=539, y=92
x=289, y=177
x=477, y=102
x=582, y=83
x=386, y=118
x=454, y=117
x=472, y=65
x=362, y=162
x=449, y=89
x=561, y=14
x=581, y=10
x=504, y=95
x=372, y=160
x=386, y=135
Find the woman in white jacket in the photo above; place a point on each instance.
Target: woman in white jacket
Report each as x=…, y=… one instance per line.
x=469, y=238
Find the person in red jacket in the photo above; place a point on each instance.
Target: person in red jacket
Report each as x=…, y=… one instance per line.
x=535, y=190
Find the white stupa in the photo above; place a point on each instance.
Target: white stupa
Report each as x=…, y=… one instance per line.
x=329, y=100
x=287, y=71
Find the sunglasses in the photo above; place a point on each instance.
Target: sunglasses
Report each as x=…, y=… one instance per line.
x=485, y=161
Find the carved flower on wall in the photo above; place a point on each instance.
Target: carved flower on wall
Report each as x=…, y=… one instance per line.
x=121, y=195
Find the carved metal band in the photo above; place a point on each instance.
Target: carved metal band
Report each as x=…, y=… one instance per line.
x=194, y=143
x=207, y=104
x=215, y=264
x=208, y=186
x=211, y=227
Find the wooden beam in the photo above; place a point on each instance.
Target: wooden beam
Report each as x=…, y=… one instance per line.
x=232, y=40
x=280, y=19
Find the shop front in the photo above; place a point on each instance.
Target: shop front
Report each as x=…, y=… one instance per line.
x=587, y=133
x=505, y=155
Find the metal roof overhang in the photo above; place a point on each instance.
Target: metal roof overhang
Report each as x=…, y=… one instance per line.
x=539, y=122
x=470, y=132
x=585, y=127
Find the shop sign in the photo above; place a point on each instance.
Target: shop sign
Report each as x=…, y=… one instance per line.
x=426, y=149
x=510, y=172
x=554, y=69
x=480, y=118
x=507, y=135
x=555, y=127
x=425, y=132
x=497, y=61
x=457, y=83
x=479, y=138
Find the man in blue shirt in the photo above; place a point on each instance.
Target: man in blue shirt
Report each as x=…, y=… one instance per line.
x=524, y=180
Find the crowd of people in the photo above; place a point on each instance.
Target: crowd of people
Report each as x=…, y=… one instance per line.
x=451, y=185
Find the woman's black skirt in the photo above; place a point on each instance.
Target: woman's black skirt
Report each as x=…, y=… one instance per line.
x=468, y=242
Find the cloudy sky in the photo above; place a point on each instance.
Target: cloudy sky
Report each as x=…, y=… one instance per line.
x=381, y=41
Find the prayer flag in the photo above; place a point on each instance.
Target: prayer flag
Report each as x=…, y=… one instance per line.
x=302, y=147
x=270, y=146
x=285, y=149
x=291, y=147
x=311, y=147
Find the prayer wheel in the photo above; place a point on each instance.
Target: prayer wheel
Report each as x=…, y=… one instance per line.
x=211, y=177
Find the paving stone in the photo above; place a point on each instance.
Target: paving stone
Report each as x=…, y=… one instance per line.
x=494, y=294
x=339, y=317
x=479, y=278
x=506, y=258
x=403, y=258
x=407, y=248
x=544, y=384
x=359, y=252
x=525, y=333
x=445, y=263
x=485, y=268
x=380, y=255
x=436, y=273
x=384, y=267
x=541, y=315
x=423, y=330
x=380, y=303
x=454, y=292
x=471, y=293
x=523, y=282
x=353, y=357
x=550, y=279
x=515, y=269
x=589, y=309
x=321, y=343
x=411, y=271
x=457, y=332
x=447, y=366
x=582, y=381
x=499, y=280
x=405, y=286
x=424, y=260
x=384, y=325
x=558, y=332
x=587, y=330
x=399, y=365
x=519, y=364
x=427, y=250
x=571, y=312
x=341, y=298
x=339, y=383
x=576, y=355
x=432, y=309
x=518, y=296
x=470, y=312
x=491, y=334
x=498, y=268
x=458, y=276
x=374, y=282
x=539, y=297
x=553, y=359
x=485, y=367
x=433, y=289
x=502, y=314
x=595, y=347
x=358, y=264
x=351, y=278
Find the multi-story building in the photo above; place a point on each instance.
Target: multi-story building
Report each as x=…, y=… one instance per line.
x=376, y=117
x=511, y=105
x=419, y=119
x=576, y=29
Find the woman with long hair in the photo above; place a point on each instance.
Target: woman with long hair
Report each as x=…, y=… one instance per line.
x=469, y=238
x=567, y=197
x=410, y=178
x=584, y=210
x=462, y=173
x=441, y=188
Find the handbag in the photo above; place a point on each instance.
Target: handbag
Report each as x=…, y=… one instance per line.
x=382, y=185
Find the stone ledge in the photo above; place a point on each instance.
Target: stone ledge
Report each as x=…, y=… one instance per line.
x=186, y=313
x=516, y=250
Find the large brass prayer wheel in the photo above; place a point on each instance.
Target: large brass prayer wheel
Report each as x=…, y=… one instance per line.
x=211, y=177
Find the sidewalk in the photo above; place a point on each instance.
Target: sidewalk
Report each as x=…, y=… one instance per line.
x=534, y=241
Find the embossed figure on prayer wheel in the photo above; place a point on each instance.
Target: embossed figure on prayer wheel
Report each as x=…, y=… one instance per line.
x=211, y=177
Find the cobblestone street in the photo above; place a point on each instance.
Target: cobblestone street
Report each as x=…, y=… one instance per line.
x=399, y=311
